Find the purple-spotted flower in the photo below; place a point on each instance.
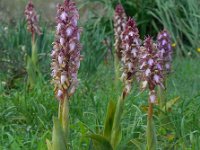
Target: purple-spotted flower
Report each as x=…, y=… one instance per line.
x=131, y=46
x=66, y=50
x=165, y=49
x=150, y=66
x=120, y=20
x=32, y=18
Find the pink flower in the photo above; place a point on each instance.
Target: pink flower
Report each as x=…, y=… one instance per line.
x=120, y=20
x=130, y=51
x=151, y=72
x=32, y=18
x=63, y=16
x=66, y=50
x=165, y=49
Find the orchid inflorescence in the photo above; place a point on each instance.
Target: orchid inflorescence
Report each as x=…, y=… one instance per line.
x=32, y=18
x=130, y=53
x=148, y=62
x=165, y=49
x=151, y=69
x=66, y=50
x=120, y=20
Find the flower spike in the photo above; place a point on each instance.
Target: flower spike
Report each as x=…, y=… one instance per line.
x=32, y=18
x=120, y=20
x=130, y=52
x=151, y=70
x=165, y=49
x=66, y=50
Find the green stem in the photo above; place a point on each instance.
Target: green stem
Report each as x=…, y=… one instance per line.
x=65, y=117
x=151, y=133
x=117, y=70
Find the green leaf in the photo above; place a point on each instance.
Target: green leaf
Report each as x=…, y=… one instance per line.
x=117, y=137
x=49, y=145
x=58, y=136
x=109, y=120
x=116, y=130
x=170, y=103
x=138, y=144
x=100, y=142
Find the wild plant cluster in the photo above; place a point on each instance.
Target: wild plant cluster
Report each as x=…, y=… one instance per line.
x=137, y=61
x=147, y=62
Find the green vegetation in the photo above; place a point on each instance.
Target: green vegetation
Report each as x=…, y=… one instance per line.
x=26, y=115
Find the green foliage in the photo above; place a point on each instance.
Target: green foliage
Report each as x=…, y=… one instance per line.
x=58, y=140
x=182, y=19
x=100, y=142
x=26, y=116
x=109, y=120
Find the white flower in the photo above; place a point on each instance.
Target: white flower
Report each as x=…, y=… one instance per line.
x=152, y=98
x=69, y=31
x=72, y=46
x=147, y=72
x=53, y=53
x=128, y=88
x=164, y=42
x=62, y=41
x=130, y=65
x=159, y=67
x=156, y=78
x=131, y=33
x=59, y=93
x=126, y=37
x=119, y=29
x=144, y=84
x=143, y=64
x=63, y=16
x=150, y=62
x=134, y=52
x=63, y=79
x=78, y=35
x=60, y=59
x=165, y=34
x=58, y=27
x=167, y=66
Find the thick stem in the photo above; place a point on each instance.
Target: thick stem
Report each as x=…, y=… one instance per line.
x=60, y=110
x=151, y=133
x=117, y=70
x=65, y=116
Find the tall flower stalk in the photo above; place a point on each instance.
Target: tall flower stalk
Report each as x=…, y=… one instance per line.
x=165, y=53
x=120, y=20
x=130, y=45
x=65, y=65
x=151, y=75
x=33, y=27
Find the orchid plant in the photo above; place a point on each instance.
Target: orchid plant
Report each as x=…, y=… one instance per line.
x=65, y=65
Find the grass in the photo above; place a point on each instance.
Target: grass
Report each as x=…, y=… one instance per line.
x=26, y=117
